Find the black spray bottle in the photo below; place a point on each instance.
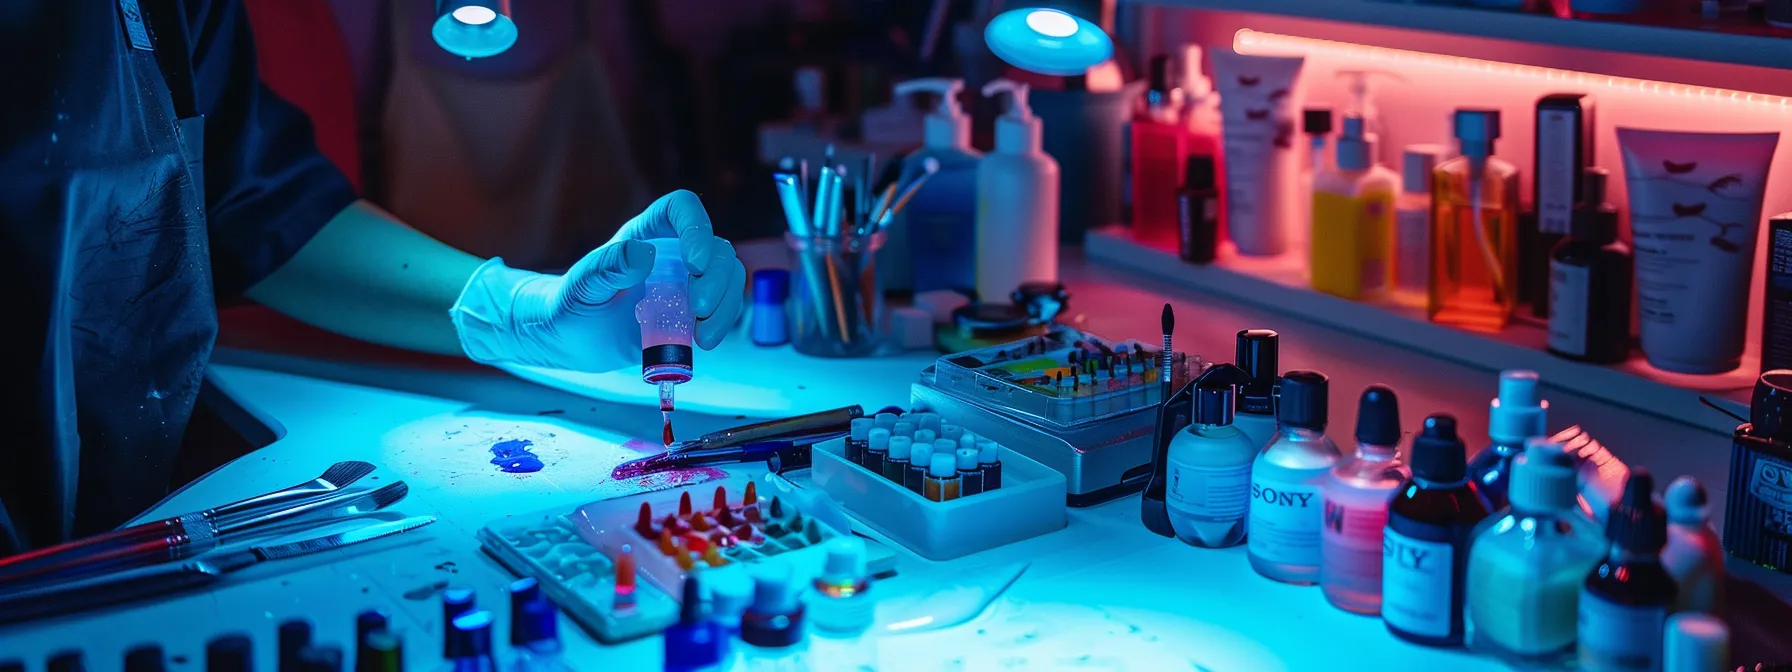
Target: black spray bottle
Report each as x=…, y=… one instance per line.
x=1590, y=283
x=1624, y=606
x=1425, y=549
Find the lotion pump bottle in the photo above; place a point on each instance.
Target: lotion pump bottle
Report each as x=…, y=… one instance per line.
x=1514, y=417
x=1525, y=569
x=1693, y=555
x=1356, y=506
x=1017, y=201
x=1286, y=509
x=1209, y=465
x=933, y=241
x=1257, y=354
x=1353, y=219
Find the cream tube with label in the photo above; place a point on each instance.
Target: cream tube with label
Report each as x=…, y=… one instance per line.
x=1695, y=212
x=1257, y=103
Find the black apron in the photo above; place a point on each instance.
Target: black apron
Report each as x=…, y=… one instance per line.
x=105, y=235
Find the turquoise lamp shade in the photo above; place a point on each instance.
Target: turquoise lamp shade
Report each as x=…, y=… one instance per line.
x=474, y=28
x=1048, y=41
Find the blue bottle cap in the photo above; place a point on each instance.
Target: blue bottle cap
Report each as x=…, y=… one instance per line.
x=537, y=626
x=469, y=636
x=145, y=658
x=293, y=635
x=771, y=286
x=372, y=620
x=523, y=592
x=456, y=601
x=233, y=652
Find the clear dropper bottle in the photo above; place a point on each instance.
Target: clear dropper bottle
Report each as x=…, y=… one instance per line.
x=1356, y=506
x=666, y=325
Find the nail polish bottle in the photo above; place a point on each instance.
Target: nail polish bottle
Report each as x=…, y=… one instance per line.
x=920, y=459
x=1526, y=566
x=1625, y=602
x=970, y=477
x=989, y=461
x=1356, y=494
x=1425, y=549
x=942, y=484
x=877, y=449
x=896, y=462
x=1286, y=509
x=857, y=440
x=1693, y=555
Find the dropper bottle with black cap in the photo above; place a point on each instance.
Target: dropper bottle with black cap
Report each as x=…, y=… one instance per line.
x=1287, y=511
x=1209, y=466
x=1425, y=549
x=1356, y=505
x=1625, y=603
x=1256, y=409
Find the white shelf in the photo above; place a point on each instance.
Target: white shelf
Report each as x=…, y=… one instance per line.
x=1756, y=48
x=1278, y=285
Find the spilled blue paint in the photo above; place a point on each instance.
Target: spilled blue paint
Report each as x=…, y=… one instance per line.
x=513, y=457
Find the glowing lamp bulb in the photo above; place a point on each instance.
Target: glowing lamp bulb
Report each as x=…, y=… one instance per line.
x=1047, y=41
x=474, y=15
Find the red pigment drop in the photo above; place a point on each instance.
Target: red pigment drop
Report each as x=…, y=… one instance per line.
x=666, y=432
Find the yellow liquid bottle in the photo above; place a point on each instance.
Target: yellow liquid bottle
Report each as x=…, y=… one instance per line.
x=1474, y=243
x=1353, y=220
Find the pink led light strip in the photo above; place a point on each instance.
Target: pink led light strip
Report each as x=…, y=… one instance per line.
x=1248, y=41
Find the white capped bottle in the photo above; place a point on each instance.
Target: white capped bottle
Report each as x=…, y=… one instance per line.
x=1017, y=201
x=1287, y=511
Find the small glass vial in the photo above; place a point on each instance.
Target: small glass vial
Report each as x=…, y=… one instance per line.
x=1625, y=601
x=666, y=321
x=920, y=459
x=941, y=483
x=877, y=448
x=857, y=440
x=1356, y=496
x=896, y=461
x=1425, y=561
x=970, y=475
x=1287, y=511
x=1474, y=267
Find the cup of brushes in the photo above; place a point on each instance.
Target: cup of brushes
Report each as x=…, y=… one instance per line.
x=837, y=308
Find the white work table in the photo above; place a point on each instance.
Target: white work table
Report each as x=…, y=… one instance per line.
x=1103, y=593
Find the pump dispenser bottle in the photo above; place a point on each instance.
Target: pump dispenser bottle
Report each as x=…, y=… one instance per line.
x=1513, y=418
x=1356, y=497
x=1474, y=265
x=1590, y=282
x=1626, y=599
x=1353, y=219
x=1209, y=466
x=1017, y=201
x=1425, y=550
x=1257, y=353
x=1693, y=555
x=932, y=243
x=1287, y=511
x=1525, y=570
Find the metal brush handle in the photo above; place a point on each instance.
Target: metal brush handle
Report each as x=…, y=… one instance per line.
x=824, y=422
x=100, y=544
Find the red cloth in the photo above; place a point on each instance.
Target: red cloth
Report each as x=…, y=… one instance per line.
x=305, y=60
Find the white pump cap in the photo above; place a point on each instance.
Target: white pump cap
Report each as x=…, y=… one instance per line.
x=947, y=125
x=1517, y=414
x=1354, y=147
x=1017, y=130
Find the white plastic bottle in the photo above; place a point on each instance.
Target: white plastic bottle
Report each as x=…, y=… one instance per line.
x=1287, y=511
x=1693, y=555
x=1017, y=202
x=932, y=242
x=1353, y=219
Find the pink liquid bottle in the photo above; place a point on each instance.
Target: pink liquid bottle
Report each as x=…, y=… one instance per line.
x=1356, y=496
x=666, y=325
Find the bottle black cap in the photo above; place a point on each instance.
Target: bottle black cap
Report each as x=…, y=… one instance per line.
x=1157, y=73
x=145, y=658
x=1437, y=453
x=1637, y=524
x=1770, y=411
x=1378, y=417
x=230, y=653
x=1215, y=396
x=66, y=661
x=1303, y=400
x=1316, y=120
x=690, y=607
x=294, y=635
x=1200, y=173
x=1256, y=354
x=1594, y=220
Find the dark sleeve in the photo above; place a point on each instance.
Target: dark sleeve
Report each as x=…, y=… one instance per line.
x=267, y=188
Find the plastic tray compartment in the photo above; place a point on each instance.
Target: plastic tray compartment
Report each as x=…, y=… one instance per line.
x=1012, y=377
x=576, y=575
x=1029, y=503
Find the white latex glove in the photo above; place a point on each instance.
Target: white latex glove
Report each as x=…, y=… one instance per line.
x=585, y=320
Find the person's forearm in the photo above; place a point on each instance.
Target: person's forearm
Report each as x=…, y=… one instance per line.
x=369, y=276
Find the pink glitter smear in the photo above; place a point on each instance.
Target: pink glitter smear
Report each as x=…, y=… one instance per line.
x=664, y=479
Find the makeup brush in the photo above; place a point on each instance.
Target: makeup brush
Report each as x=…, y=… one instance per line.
x=1169, y=325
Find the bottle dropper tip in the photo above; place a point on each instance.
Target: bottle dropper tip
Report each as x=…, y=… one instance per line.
x=666, y=395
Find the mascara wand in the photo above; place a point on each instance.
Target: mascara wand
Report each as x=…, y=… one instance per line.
x=1153, y=509
x=1169, y=355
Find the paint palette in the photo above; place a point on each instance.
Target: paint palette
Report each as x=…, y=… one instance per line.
x=1065, y=377
x=722, y=529
x=578, y=576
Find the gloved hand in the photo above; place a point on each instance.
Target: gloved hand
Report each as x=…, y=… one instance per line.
x=585, y=320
